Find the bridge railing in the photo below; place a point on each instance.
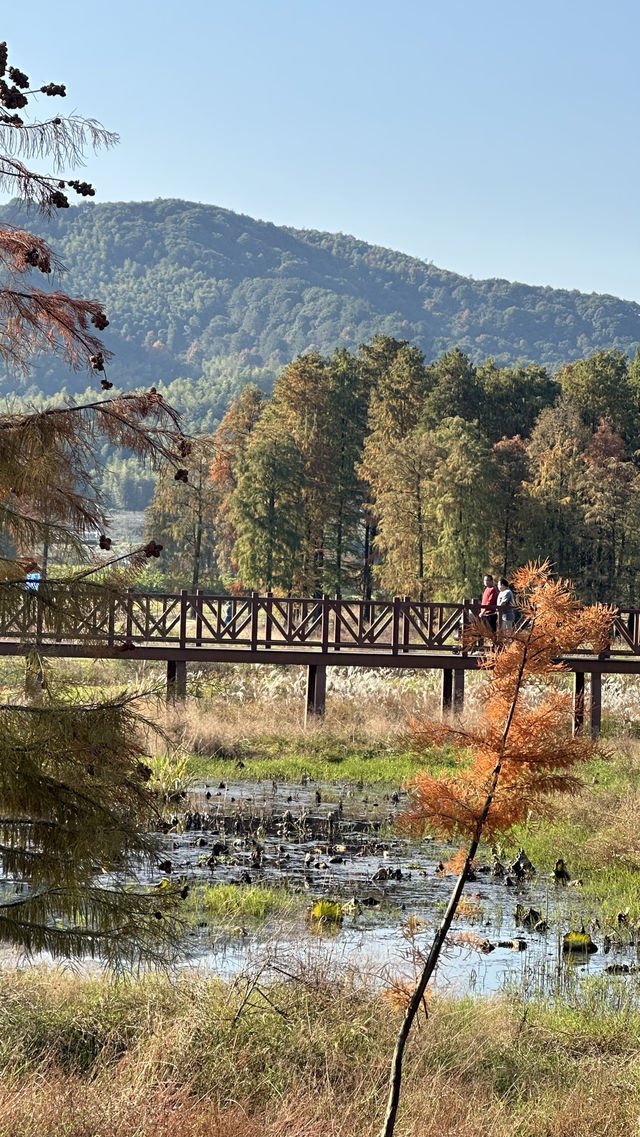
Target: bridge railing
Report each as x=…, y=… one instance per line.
x=258, y=622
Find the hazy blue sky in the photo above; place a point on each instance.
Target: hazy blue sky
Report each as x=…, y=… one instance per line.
x=495, y=138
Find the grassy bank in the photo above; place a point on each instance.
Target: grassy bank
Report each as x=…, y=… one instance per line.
x=596, y=832
x=304, y=1057
x=317, y=756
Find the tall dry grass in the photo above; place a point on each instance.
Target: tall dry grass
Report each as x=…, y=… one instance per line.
x=304, y=1056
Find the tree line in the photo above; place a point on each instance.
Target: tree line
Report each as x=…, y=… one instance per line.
x=378, y=472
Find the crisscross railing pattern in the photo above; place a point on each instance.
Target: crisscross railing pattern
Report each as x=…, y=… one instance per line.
x=258, y=622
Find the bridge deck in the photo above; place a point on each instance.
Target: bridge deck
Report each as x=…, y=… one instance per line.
x=319, y=633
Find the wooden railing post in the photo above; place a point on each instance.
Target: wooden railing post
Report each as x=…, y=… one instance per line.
x=406, y=626
x=199, y=618
x=337, y=625
x=324, y=627
x=464, y=623
x=395, y=625
x=254, y=620
x=183, y=618
x=39, y=614
x=268, y=620
x=111, y=620
x=129, y=614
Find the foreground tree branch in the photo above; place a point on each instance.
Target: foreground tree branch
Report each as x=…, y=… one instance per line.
x=76, y=811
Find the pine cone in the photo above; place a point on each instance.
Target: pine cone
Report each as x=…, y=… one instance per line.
x=18, y=77
x=104, y=542
x=152, y=549
x=54, y=89
x=106, y=385
x=58, y=199
x=3, y=57
x=182, y=476
x=11, y=97
x=97, y=361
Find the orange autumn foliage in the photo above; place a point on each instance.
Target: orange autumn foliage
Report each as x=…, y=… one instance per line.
x=523, y=734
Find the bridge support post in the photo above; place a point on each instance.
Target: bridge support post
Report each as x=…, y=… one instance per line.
x=447, y=692
x=458, y=691
x=176, y=681
x=596, y=704
x=33, y=677
x=578, y=703
x=316, y=692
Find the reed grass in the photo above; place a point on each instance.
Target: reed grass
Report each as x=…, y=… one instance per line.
x=250, y=902
x=305, y=1055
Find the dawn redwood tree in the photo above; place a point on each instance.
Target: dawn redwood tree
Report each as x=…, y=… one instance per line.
x=301, y=406
x=610, y=497
x=555, y=454
x=266, y=509
x=600, y=387
x=347, y=414
x=181, y=515
x=75, y=806
x=512, y=761
x=512, y=508
x=395, y=376
x=230, y=442
x=403, y=538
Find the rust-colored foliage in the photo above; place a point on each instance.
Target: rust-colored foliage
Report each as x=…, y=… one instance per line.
x=523, y=735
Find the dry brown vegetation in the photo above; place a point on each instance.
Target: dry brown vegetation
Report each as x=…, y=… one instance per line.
x=89, y=1057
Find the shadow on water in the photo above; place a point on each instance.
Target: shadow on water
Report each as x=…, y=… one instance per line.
x=340, y=842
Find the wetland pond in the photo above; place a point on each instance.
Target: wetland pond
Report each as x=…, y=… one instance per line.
x=338, y=842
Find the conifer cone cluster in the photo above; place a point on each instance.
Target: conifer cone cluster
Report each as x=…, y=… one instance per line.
x=18, y=77
x=12, y=97
x=84, y=189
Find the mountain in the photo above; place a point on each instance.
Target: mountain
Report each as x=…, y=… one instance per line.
x=213, y=298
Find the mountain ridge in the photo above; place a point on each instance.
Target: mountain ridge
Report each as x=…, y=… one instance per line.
x=203, y=293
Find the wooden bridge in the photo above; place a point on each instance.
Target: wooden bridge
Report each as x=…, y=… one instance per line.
x=322, y=632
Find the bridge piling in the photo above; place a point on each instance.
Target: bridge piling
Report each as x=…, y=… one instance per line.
x=578, y=703
x=316, y=692
x=458, y=691
x=596, y=704
x=447, y=692
x=176, y=681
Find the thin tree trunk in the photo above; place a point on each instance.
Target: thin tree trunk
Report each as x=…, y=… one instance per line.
x=395, y=1076
x=339, y=552
x=197, y=550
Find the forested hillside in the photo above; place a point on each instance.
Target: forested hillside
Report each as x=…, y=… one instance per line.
x=206, y=300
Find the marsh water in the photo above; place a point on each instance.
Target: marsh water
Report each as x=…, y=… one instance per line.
x=340, y=842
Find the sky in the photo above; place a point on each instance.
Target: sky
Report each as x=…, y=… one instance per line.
x=496, y=139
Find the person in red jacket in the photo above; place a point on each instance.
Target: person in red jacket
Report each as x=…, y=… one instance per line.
x=489, y=609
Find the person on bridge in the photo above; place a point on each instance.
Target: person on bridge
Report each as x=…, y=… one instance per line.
x=32, y=577
x=506, y=605
x=489, y=610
